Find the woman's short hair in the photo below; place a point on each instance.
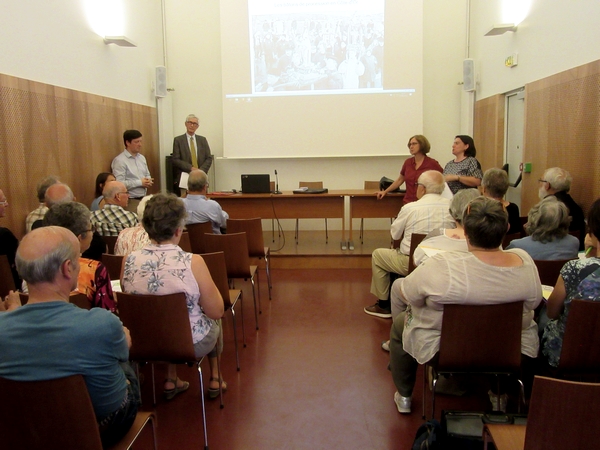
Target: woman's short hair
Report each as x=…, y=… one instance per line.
x=594, y=218
x=424, y=145
x=468, y=140
x=485, y=222
x=162, y=216
x=548, y=220
x=101, y=181
x=495, y=182
x=71, y=215
x=460, y=201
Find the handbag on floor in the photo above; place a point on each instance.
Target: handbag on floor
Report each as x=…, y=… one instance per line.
x=429, y=436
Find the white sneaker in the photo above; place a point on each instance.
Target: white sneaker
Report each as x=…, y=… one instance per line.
x=385, y=345
x=402, y=403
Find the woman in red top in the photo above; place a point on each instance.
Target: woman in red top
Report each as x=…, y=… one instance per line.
x=418, y=146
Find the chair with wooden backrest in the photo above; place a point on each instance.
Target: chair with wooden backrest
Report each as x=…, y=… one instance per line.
x=415, y=240
x=185, y=243
x=218, y=271
x=7, y=282
x=524, y=220
x=237, y=260
x=160, y=332
x=580, y=353
x=56, y=414
x=110, y=243
x=311, y=185
x=374, y=185
x=80, y=300
x=549, y=270
x=510, y=237
x=113, y=264
x=256, y=245
x=196, y=232
x=562, y=415
x=479, y=339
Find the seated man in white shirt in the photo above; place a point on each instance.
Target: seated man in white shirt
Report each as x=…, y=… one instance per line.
x=431, y=211
x=201, y=209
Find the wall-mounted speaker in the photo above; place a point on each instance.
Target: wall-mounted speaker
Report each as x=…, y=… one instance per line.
x=160, y=85
x=469, y=75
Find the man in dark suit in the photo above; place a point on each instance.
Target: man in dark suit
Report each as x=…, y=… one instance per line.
x=190, y=151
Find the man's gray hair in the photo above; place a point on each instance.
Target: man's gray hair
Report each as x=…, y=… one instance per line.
x=43, y=186
x=191, y=116
x=433, y=181
x=460, y=201
x=45, y=268
x=548, y=220
x=58, y=193
x=72, y=215
x=558, y=179
x=111, y=190
x=197, y=180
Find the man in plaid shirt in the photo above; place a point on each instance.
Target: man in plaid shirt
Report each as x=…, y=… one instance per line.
x=110, y=220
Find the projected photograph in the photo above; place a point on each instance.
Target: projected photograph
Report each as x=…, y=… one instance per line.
x=316, y=45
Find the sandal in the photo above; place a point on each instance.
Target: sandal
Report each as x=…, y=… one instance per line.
x=214, y=392
x=170, y=393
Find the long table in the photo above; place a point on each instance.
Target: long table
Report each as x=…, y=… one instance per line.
x=363, y=203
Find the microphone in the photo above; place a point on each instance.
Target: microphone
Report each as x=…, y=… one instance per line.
x=277, y=191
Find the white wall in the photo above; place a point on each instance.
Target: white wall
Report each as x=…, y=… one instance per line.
x=554, y=36
x=52, y=41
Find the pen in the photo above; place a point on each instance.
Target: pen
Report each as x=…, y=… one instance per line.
x=588, y=250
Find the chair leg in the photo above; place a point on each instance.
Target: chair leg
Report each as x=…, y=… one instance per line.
x=268, y=270
x=256, y=308
x=425, y=381
x=296, y=233
x=273, y=229
x=153, y=386
x=235, y=340
x=326, y=233
x=242, y=310
x=220, y=377
x=433, y=396
x=360, y=234
x=202, y=401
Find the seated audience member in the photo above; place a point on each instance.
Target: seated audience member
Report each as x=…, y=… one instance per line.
x=557, y=182
x=579, y=279
x=461, y=278
x=447, y=239
x=51, y=338
x=133, y=238
x=201, y=209
x=548, y=229
x=101, y=180
x=110, y=220
x=93, y=279
x=38, y=213
x=8, y=242
x=495, y=185
x=429, y=212
x=55, y=194
x=178, y=271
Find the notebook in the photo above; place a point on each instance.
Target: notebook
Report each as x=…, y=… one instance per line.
x=256, y=184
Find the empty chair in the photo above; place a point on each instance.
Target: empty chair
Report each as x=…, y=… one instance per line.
x=562, y=415
x=483, y=339
x=113, y=264
x=160, y=332
x=56, y=414
x=196, y=233
x=256, y=246
x=110, y=243
x=311, y=185
x=185, y=243
x=549, y=270
x=510, y=237
x=237, y=259
x=218, y=271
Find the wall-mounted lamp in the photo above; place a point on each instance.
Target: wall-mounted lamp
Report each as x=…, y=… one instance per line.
x=121, y=41
x=501, y=29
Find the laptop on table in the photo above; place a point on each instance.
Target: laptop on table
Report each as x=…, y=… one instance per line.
x=256, y=184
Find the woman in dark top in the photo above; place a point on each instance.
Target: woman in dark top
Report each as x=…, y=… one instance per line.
x=495, y=185
x=8, y=243
x=464, y=171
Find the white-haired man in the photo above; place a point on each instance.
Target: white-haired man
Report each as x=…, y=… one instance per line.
x=190, y=151
x=557, y=182
x=429, y=212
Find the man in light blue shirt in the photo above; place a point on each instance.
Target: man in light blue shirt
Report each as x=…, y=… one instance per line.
x=201, y=209
x=131, y=168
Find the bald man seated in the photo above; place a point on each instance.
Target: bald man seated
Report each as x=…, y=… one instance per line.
x=201, y=209
x=93, y=343
x=114, y=217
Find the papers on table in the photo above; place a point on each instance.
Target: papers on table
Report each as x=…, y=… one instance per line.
x=116, y=285
x=430, y=251
x=546, y=291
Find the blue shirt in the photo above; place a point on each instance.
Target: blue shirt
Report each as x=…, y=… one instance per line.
x=130, y=169
x=200, y=209
x=564, y=248
x=44, y=341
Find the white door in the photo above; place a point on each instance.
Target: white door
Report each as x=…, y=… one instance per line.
x=513, y=156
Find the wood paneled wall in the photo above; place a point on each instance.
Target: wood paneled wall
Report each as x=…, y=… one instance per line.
x=488, y=131
x=562, y=128
x=49, y=130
